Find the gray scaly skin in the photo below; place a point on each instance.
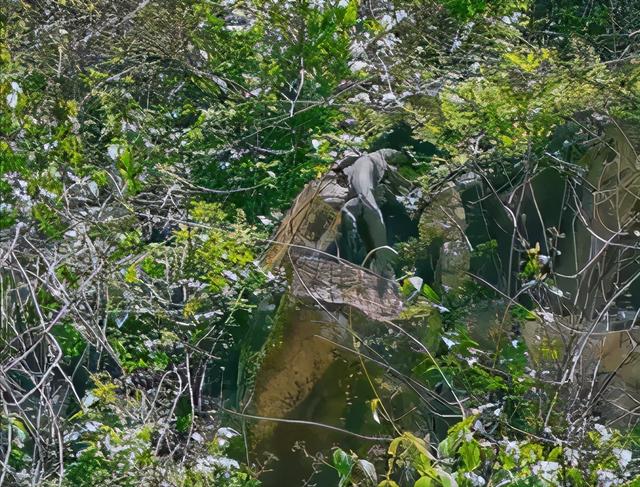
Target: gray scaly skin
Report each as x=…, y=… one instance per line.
x=364, y=176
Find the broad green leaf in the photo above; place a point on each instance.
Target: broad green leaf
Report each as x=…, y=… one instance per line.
x=555, y=454
x=470, y=453
x=429, y=293
x=418, y=443
x=423, y=482
x=446, y=447
x=446, y=479
x=351, y=13
x=342, y=462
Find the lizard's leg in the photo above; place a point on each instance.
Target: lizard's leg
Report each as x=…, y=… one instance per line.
x=351, y=211
x=381, y=260
x=373, y=218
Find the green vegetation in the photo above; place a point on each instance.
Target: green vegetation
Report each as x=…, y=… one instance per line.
x=148, y=151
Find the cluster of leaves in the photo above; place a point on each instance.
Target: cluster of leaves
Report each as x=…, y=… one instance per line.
x=146, y=150
x=506, y=436
x=469, y=457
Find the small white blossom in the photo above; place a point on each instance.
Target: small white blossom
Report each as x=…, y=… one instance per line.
x=448, y=343
x=572, y=456
x=358, y=66
x=475, y=479
x=606, y=478
x=623, y=456
x=115, y=151
x=605, y=435
x=546, y=471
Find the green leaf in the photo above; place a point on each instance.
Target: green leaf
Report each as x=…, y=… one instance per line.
x=423, y=482
x=429, y=293
x=183, y=423
x=446, y=479
x=19, y=428
x=470, y=453
x=446, y=447
x=351, y=13
x=387, y=483
x=520, y=312
x=576, y=478
x=555, y=454
x=343, y=463
x=69, y=339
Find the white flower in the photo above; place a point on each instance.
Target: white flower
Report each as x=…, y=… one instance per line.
x=12, y=99
x=606, y=478
x=623, y=456
x=572, y=456
x=475, y=479
x=546, y=471
x=605, y=435
x=358, y=66
x=115, y=151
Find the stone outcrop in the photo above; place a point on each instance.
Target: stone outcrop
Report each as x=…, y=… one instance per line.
x=442, y=225
x=331, y=283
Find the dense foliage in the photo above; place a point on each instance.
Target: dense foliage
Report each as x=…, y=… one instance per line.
x=149, y=148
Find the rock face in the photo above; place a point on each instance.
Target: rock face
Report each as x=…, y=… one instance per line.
x=441, y=227
x=313, y=221
x=326, y=293
x=297, y=356
x=606, y=234
x=314, y=319
x=331, y=283
x=329, y=299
